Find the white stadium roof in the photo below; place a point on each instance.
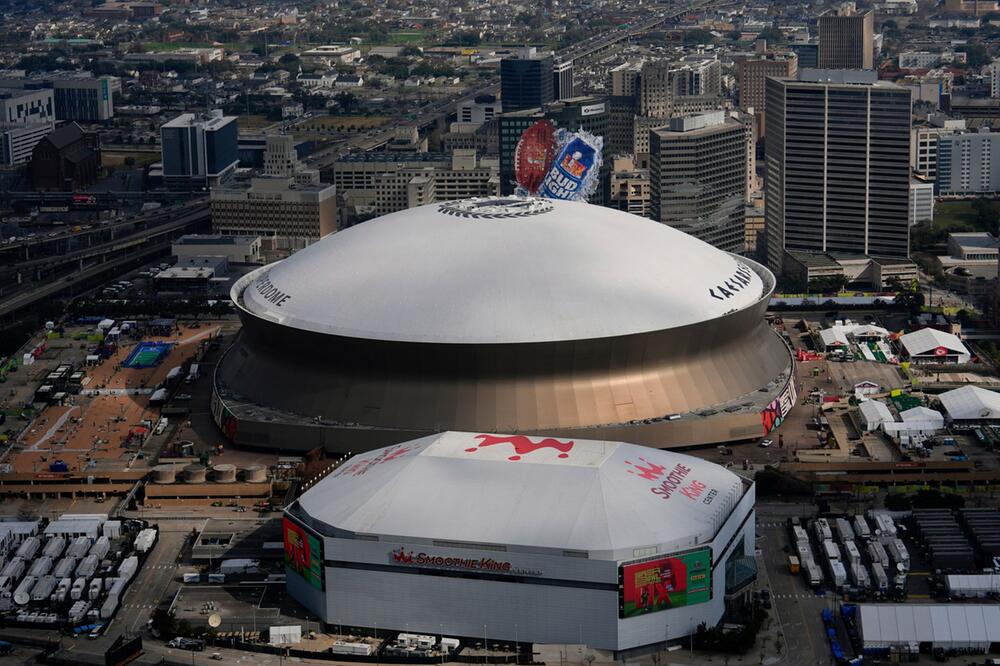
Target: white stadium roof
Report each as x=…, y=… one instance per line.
x=502, y=270
x=605, y=498
x=926, y=340
x=971, y=403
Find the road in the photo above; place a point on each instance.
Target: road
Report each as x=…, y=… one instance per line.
x=795, y=606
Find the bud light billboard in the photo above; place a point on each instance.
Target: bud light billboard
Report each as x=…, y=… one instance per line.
x=668, y=582
x=303, y=553
x=556, y=163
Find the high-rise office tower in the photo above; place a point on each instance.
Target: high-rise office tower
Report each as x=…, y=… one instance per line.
x=199, y=150
x=563, y=85
x=847, y=38
x=751, y=74
x=655, y=94
x=698, y=177
x=526, y=80
x=837, y=165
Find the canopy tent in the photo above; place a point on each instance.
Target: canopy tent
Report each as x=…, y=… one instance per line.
x=971, y=403
x=944, y=626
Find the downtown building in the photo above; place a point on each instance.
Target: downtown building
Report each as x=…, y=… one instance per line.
x=526, y=80
x=27, y=115
x=375, y=183
x=751, y=75
x=837, y=171
x=698, y=177
x=847, y=38
x=968, y=163
x=199, y=151
x=288, y=206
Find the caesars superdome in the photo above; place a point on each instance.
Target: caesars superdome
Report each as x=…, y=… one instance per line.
x=503, y=315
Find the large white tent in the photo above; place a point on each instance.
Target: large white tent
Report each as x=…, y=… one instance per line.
x=929, y=345
x=971, y=403
x=944, y=626
x=874, y=413
x=976, y=585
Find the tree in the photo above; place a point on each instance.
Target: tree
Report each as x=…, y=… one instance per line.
x=698, y=36
x=987, y=216
x=772, y=35
x=976, y=53
x=348, y=102
x=908, y=296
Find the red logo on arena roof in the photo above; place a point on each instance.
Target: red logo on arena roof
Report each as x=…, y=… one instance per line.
x=400, y=555
x=522, y=445
x=647, y=470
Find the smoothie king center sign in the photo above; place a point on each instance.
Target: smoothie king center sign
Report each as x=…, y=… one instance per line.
x=676, y=481
x=485, y=564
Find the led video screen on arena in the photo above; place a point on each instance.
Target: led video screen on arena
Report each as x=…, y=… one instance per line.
x=303, y=553
x=668, y=582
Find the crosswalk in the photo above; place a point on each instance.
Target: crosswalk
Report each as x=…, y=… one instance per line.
x=140, y=606
x=768, y=523
x=162, y=567
x=794, y=596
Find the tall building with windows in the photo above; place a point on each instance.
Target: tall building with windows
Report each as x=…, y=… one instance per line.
x=751, y=73
x=969, y=163
x=199, y=151
x=526, y=80
x=287, y=205
x=837, y=165
x=84, y=99
x=563, y=84
x=698, y=177
x=847, y=38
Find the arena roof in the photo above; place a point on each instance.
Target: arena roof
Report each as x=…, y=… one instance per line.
x=605, y=498
x=502, y=270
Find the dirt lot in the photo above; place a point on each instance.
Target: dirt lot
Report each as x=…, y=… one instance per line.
x=90, y=431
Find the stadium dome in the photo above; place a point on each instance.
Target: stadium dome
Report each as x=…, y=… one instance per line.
x=503, y=271
x=503, y=314
x=603, y=498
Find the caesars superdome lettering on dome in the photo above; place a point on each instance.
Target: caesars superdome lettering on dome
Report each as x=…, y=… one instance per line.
x=268, y=291
x=734, y=283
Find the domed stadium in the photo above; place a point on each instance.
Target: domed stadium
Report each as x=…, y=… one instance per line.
x=503, y=315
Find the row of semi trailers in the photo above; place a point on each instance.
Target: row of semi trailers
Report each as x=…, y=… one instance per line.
x=63, y=569
x=855, y=555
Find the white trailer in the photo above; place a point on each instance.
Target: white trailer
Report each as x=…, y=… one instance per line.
x=55, y=547
x=897, y=551
x=79, y=548
x=812, y=572
x=843, y=529
x=880, y=579
x=76, y=593
x=851, y=552
x=101, y=547
x=43, y=589
x=861, y=528
x=29, y=548
x=876, y=551
x=830, y=550
x=41, y=567
x=822, y=529
x=838, y=574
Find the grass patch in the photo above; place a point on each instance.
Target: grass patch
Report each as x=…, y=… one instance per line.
x=949, y=215
x=405, y=37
